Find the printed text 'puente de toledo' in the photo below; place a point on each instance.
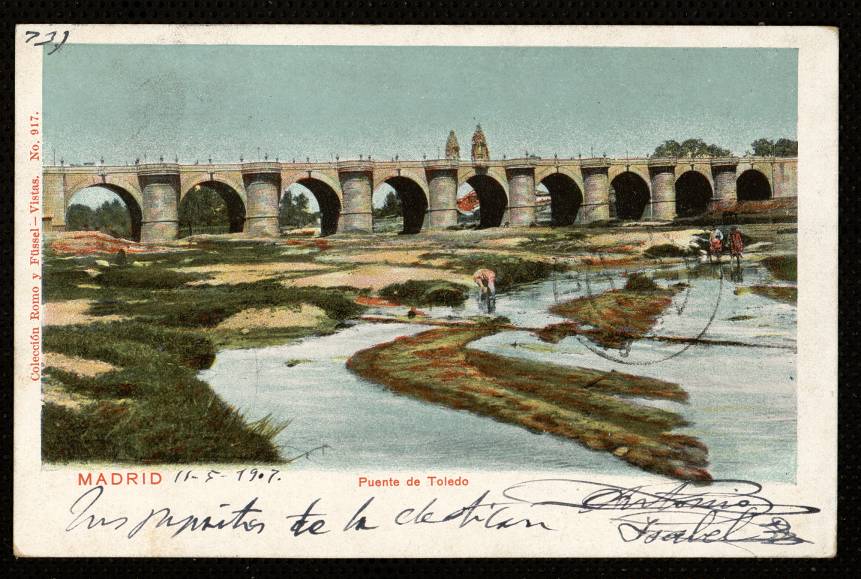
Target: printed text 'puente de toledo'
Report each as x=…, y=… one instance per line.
x=581, y=190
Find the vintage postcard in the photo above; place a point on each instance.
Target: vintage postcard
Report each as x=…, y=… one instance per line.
x=369, y=291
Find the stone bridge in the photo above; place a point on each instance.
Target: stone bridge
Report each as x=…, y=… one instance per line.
x=581, y=190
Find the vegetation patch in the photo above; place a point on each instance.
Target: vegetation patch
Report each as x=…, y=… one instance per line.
x=426, y=293
x=780, y=293
x=614, y=318
x=585, y=405
x=669, y=250
x=152, y=408
x=782, y=267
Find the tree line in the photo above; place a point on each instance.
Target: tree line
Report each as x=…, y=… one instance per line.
x=111, y=217
x=762, y=147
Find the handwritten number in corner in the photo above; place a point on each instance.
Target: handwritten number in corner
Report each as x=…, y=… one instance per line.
x=49, y=38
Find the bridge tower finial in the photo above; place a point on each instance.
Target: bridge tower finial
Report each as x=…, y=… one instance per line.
x=452, y=148
x=480, y=151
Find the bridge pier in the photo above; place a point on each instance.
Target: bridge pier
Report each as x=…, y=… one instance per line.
x=54, y=193
x=442, y=186
x=357, y=185
x=160, y=212
x=724, y=173
x=262, y=189
x=662, y=206
x=521, y=194
x=596, y=194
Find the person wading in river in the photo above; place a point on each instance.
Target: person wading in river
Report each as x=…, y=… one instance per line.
x=715, y=243
x=736, y=245
x=485, y=279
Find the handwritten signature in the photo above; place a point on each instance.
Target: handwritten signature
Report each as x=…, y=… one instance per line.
x=723, y=511
x=733, y=512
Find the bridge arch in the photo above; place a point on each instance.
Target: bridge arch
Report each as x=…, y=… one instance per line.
x=693, y=193
x=327, y=194
x=544, y=171
x=199, y=192
x=618, y=169
x=632, y=195
x=753, y=185
x=492, y=199
x=127, y=182
x=132, y=203
x=234, y=181
x=566, y=197
x=495, y=173
x=413, y=198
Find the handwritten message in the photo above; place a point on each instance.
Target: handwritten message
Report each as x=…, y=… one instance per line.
x=735, y=512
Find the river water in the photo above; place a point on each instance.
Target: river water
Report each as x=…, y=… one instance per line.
x=742, y=400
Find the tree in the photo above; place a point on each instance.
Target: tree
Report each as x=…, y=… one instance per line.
x=203, y=207
x=80, y=218
x=111, y=217
x=391, y=207
x=781, y=148
x=688, y=147
x=294, y=210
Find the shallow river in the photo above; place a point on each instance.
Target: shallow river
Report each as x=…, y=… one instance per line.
x=742, y=399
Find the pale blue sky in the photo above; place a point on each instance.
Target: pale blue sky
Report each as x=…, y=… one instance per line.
x=123, y=101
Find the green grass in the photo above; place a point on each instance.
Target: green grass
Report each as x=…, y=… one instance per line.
x=155, y=278
x=426, y=293
x=157, y=294
x=151, y=409
x=207, y=306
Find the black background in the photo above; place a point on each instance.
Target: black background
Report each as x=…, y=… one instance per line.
x=840, y=14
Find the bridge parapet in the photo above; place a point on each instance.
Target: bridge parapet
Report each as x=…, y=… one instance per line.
x=158, y=169
x=724, y=161
x=595, y=163
x=442, y=165
x=356, y=166
x=662, y=162
x=261, y=167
